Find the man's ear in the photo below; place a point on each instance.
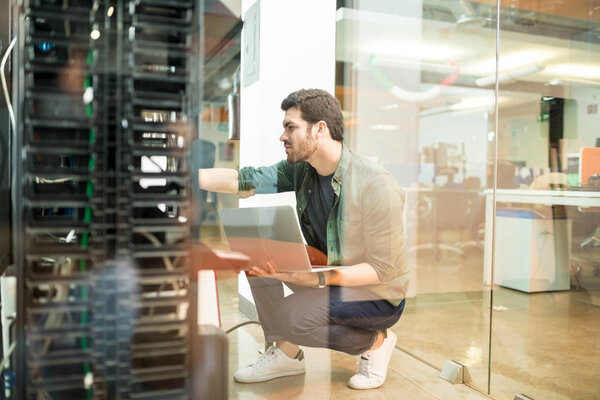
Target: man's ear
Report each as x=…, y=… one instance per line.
x=321, y=128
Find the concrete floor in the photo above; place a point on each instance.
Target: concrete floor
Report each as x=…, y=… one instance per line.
x=327, y=371
x=544, y=345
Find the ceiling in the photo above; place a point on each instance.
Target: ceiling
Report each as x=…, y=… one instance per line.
x=540, y=41
x=444, y=34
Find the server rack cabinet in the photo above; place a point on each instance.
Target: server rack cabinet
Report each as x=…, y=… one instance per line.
x=106, y=104
x=5, y=243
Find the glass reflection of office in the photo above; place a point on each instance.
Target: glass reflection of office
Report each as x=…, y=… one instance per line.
x=546, y=205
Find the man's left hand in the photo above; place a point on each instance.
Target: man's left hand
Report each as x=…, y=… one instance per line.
x=298, y=278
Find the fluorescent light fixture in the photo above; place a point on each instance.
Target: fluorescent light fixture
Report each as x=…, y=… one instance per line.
x=575, y=71
x=413, y=64
x=414, y=50
x=510, y=62
x=473, y=102
x=384, y=127
x=509, y=76
x=466, y=104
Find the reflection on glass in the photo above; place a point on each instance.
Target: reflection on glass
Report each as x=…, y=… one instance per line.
x=546, y=284
x=418, y=102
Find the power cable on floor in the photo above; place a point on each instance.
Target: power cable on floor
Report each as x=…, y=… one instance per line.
x=240, y=325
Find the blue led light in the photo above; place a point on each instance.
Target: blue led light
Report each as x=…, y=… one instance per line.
x=45, y=46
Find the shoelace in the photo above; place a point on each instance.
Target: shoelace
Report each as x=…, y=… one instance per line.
x=363, y=364
x=268, y=356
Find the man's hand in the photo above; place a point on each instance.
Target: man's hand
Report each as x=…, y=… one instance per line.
x=298, y=278
x=244, y=194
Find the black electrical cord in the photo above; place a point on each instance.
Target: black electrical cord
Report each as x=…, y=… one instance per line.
x=240, y=325
x=3, y=257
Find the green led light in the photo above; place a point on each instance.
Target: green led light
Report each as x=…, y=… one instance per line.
x=89, y=189
x=87, y=216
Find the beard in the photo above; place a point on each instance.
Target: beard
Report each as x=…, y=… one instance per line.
x=302, y=150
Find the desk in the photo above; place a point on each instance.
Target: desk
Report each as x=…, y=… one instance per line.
x=543, y=197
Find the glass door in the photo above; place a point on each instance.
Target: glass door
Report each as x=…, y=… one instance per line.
x=546, y=296
x=416, y=79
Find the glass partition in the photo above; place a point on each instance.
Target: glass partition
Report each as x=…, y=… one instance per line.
x=408, y=77
x=546, y=297
x=505, y=200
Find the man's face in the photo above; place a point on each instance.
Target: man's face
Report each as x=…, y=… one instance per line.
x=297, y=137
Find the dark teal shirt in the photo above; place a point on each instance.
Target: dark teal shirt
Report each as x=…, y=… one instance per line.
x=365, y=223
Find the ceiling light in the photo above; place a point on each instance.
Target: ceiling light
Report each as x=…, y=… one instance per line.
x=383, y=127
x=509, y=76
x=473, y=102
x=510, y=61
x=414, y=50
x=413, y=64
x=576, y=71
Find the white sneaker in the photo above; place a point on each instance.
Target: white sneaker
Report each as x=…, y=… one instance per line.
x=273, y=364
x=373, y=365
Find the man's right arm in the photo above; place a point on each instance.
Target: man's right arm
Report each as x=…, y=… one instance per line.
x=247, y=181
x=221, y=180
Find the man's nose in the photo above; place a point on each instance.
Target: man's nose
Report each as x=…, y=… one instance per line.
x=283, y=137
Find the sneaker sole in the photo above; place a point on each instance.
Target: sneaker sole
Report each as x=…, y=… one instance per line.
x=269, y=377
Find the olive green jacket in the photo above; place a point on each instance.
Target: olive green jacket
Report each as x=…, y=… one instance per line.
x=365, y=224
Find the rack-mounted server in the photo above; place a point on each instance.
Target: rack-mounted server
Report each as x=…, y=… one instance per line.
x=105, y=95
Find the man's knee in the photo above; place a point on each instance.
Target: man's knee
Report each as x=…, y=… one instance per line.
x=302, y=321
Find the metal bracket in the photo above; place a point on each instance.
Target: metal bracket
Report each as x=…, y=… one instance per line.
x=522, y=397
x=455, y=372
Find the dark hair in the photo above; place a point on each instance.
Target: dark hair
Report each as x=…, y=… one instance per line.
x=317, y=105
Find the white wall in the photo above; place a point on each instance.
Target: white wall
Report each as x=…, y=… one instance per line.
x=297, y=50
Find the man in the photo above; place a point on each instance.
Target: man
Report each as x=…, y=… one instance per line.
x=351, y=210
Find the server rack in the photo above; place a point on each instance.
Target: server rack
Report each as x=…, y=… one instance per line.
x=106, y=105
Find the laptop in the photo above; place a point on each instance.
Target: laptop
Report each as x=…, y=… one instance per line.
x=268, y=234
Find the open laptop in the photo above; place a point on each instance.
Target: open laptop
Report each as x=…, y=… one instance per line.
x=268, y=234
